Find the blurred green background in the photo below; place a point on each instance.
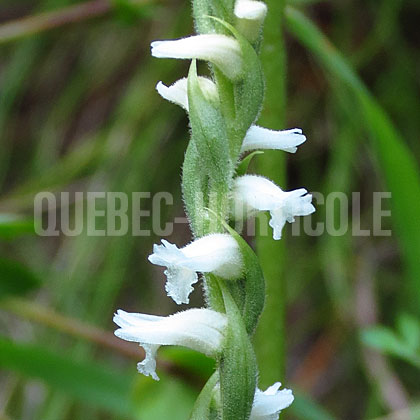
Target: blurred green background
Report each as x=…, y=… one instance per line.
x=79, y=112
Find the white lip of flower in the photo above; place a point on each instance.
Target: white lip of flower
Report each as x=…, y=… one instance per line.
x=249, y=9
x=216, y=253
x=263, y=138
x=268, y=404
x=178, y=92
x=198, y=329
x=221, y=50
x=252, y=194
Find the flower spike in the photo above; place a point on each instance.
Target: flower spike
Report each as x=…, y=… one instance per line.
x=268, y=404
x=252, y=194
x=263, y=138
x=221, y=50
x=198, y=329
x=217, y=253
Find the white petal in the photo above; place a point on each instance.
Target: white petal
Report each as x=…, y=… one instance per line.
x=180, y=277
x=178, y=92
x=268, y=404
x=148, y=366
x=263, y=138
x=198, y=329
x=125, y=319
x=166, y=254
x=295, y=203
x=221, y=50
x=249, y=9
x=179, y=283
x=277, y=222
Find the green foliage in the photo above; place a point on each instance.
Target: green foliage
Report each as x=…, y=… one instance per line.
x=208, y=132
x=204, y=9
x=253, y=285
x=194, y=189
x=195, y=363
x=89, y=382
x=131, y=11
x=306, y=409
x=243, y=165
x=16, y=279
x=202, y=406
x=241, y=102
x=12, y=226
x=404, y=343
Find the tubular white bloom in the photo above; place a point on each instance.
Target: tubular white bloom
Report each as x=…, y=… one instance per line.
x=263, y=138
x=252, y=194
x=221, y=50
x=198, y=329
x=268, y=404
x=249, y=9
x=217, y=253
x=178, y=92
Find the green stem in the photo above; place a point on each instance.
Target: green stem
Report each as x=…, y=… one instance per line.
x=271, y=330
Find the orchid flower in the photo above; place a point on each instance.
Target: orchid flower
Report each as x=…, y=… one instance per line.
x=221, y=50
x=268, y=404
x=197, y=329
x=253, y=194
x=216, y=253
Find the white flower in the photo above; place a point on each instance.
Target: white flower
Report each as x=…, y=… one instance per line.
x=178, y=92
x=217, y=253
x=198, y=329
x=252, y=194
x=268, y=404
x=251, y=10
x=221, y=50
x=263, y=138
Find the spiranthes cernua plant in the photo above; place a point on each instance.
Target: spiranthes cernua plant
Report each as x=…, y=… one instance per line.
x=222, y=110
